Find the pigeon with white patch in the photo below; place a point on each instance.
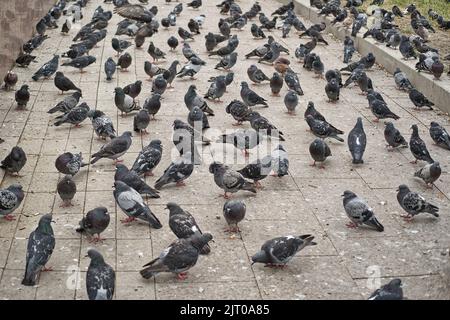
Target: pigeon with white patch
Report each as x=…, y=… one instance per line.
x=178, y=171
x=94, y=223
x=429, y=173
x=357, y=142
x=413, y=203
x=148, y=158
x=114, y=149
x=100, y=277
x=133, y=180
x=390, y=291
x=359, y=212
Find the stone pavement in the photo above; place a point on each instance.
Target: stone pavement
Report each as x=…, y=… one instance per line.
x=345, y=264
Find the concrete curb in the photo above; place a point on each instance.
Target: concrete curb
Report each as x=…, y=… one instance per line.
x=437, y=91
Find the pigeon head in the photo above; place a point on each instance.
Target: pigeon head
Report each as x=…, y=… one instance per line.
x=59, y=74
x=138, y=83
x=214, y=166
x=192, y=87
x=127, y=134
x=252, y=115
x=121, y=168
x=310, y=105
x=397, y=70
x=77, y=95
x=92, y=59
x=44, y=224
x=434, y=124
x=95, y=256
x=348, y=195
x=359, y=123
x=394, y=286
x=415, y=130
x=389, y=125
x=15, y=187
x=120, y=186
x=155, y=144
x=244, y=84
x=24, y=87
x=173, y=208
x=93, y=114
x=118, y=90
x=260, y=257
x=280, y=147
x=199, y=240
x=403, y=188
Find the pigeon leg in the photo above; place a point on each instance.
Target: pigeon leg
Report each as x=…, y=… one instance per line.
x=313, y=164
x=45, y=269
x=65, y=204
x=430, y=186
x=351, y=225
x=97, y=239
x=78, y=125
x=9, y=217
x=239, y=123
x=246, y=153
x=258, y=185
x=128, y=220
x=408, y=217
x=180, y=184
x=414, y=162
x=376, y=120
x=226, y=196
x=322, y=166
x=182, y=276
x=117, y=161
x=16, y=174
x=149, y=174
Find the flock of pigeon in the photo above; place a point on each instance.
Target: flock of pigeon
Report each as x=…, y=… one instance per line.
x=141, y=23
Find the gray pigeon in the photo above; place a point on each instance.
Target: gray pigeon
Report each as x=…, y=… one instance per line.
x=250, y=97
x=234, y=212
x=69, y=163
x=198, y=119
x=256, y=75
x=280, y=161
x=178, y=258
x=14, y=161
x=323, y=129
x=349, y=49
x=94, y=223
x=393, y=137
x=124, y=102
x=48, y=69
x=172, y=42
x=148, y=158
x=332, y=90
x=413, y=203
x=155, y=52
x=334, y=74
x=80, y=62
x=63, y=83
x=276, y=83
x=103, y=125
x=183, y=224
x=133, y=89
x=141, y=121
x=114, y=149
x=272, y=54
x=191, y=68
x=238, y=110
x=216, y=89
x=227, y=62
x=243, y=139
x=66, y=189
x=110, y=68
x=293, y=82
x=178, y=171
x=159, y=85
x=74, y=116
x=22, y=96
x=132, y=204
x=406, y=48
x=67, y=104
x=191, y=99
x=100, y=278
x=311, y=110
x=257, y=170
x=418, y=147
x=152, y=69
x=319, y=151
x=41, y=243
x=357, y=142
x=401, y=81
x=263, y=125
x=152, y=104
x=124, y=61
x=133, y=180
x=169, y=74
x=390, y=291
x=359, y=212
x=279, y=251
x=439, y=135
x=120, y=45
x=419, y=100
x=10, y=200
x=429, y=173
x=229, y=180
x=291, y=101
x=379, y=108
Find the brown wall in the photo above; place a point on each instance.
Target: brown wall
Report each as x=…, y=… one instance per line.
x=18, y=19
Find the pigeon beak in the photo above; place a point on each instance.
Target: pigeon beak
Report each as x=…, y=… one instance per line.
x=53, y=221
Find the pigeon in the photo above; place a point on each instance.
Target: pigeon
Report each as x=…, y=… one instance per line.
x=41, y=243
x=80, y=62
x=216, y=89
x=191, y=99
x=193, y=26
x=234, y=212
x=14, y=161
x=276, y=83
x=48, y=69
x=66, y=189
x=272, y=54
x=406, y=48
x=229, y=180
x=323, y=129
x=110, y=68
x=184, y=34
x=280, y=161
x=192, y=68
x=152, y=104
x=152, y=69
x=305, y=49
x=24, y=60
x=334, y=74
x=132, y=204
x=390, y=291
x=183, y=224
x=10, y=200
x=155, y=52
x=74, y=116
x=133, y=180
x=66, y=27
x=227, y=62
x=257, y=31
x=197, y=119
x=359, y=212
x=393, y=137
x=401, y=81
x=293, y=82
x=311, y=110
x=103, y=125
x=210, y=41
x=257, y=170
x=133, y=89
x=10, y=80
x=277, y=252
x=291, y=101
x=100, y=277
x=357, y=142
x=178, y=258
x=250, y=97
x=124, y=102
x=172, y=42
x=256, y=75
x=114, y=148
x=120, y=45
x=141, y=121
x=319, y=151
x=263, y=125
x=69, y=163
x=22, y=97
x=393, y=39
x=134, y=12
x=238, y=110
x=429, y=173
x=243, y=139
x=239, y=23
x=178, y=171
x=419, y=100
x=413, y=203
x=418, y=147
x=187, y=51
x=380, y=109
x=318, y=67
x=94, y=223
x=159, y=85
x=63, y=83
x=148, y=158
x=124, y=61
x=439, y=135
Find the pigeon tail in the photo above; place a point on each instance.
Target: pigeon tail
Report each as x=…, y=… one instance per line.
x=248, y=187
x=308, y=239
x=373, y=222
x=432, y=209
x=205, y=250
